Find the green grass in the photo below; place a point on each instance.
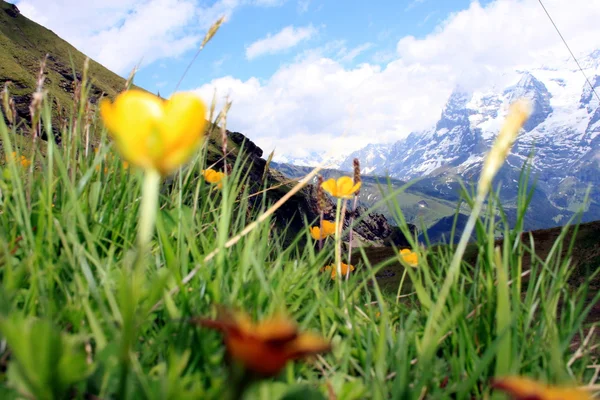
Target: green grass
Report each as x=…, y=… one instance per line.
x=70, y=296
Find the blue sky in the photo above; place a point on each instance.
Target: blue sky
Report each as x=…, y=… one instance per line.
x=376, y=26
x=314, y=76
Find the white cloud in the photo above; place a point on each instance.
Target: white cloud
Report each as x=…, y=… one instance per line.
x=349, y=55
x=285, y=39
x=317, y=103
x=122, y=33
x=505, y=34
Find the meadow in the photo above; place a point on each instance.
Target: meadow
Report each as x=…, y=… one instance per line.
x=132, y=268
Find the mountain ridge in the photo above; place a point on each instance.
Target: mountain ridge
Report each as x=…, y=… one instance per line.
x=562, y=136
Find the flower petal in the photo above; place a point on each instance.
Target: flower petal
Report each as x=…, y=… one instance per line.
x=344, y=186
x=182, y=129
x=315, y=232
x=521, y=388
x=328, y=227
x=132, y=121
x=307, y=344
x=330, y=187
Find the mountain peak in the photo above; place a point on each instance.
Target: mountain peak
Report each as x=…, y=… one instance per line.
x=533, y=89
x=455, y=112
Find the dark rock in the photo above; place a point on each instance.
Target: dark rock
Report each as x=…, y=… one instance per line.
x=12, y=11
x=397, y=238
x=249, y=145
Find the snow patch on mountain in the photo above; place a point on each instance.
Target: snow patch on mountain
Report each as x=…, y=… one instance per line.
x=563, y=130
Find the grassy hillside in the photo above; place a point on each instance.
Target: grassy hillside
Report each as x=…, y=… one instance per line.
x=24, y=44
x=585, y=258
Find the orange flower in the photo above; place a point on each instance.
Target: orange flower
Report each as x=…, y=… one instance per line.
x=333, y=269
x=327, y=229
x=409, y=257
x=213, y=176
x=23, y=160
x=265, y=347
x=520, y=388
x=344, y=187
x=153, y=133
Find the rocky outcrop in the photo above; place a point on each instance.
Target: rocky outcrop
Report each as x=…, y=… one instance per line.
x=372, y=228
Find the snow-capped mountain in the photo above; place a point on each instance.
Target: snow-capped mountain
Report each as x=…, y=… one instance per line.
x=312, y=159
x=373, y=157
x=563, y=132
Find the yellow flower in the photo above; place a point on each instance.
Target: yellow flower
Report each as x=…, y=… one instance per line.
x=333, y=269
x=22, y=160
x=343, y=188
x=520, y=388
x=125, y=165
x=267, y=346
x=213, y=176
x=327, y=229
x=409, y=257
x=153, y=133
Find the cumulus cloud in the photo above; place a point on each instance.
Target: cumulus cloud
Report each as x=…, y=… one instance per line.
x=318, y=103
x=505, y=34
x=285, y=39
x=351, y=54
x=120, y=34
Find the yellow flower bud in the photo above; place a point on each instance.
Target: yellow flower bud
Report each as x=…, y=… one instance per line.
x=153, y=133
x=409, y=257
x=212, y=176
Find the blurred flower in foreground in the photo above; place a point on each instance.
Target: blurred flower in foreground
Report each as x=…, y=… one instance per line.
x=23, y=160
x=520, y=388
x=409, y=257
x=344, y=187
x=327, y=229
x=213, y=176
x=333, y=269
x=153, y=133
x=264, y=347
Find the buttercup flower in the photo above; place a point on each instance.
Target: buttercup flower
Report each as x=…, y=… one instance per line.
x=409, y=257
x=267, y=346
x=153, y=133
x=520, y=388
x=344, y=187
x=327, y=229
x=22, y=160
x=213, y=176
x=333, y=269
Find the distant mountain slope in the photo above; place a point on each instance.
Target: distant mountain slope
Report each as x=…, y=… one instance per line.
x=563, y=133
x=420, y=205
x=24, y=44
